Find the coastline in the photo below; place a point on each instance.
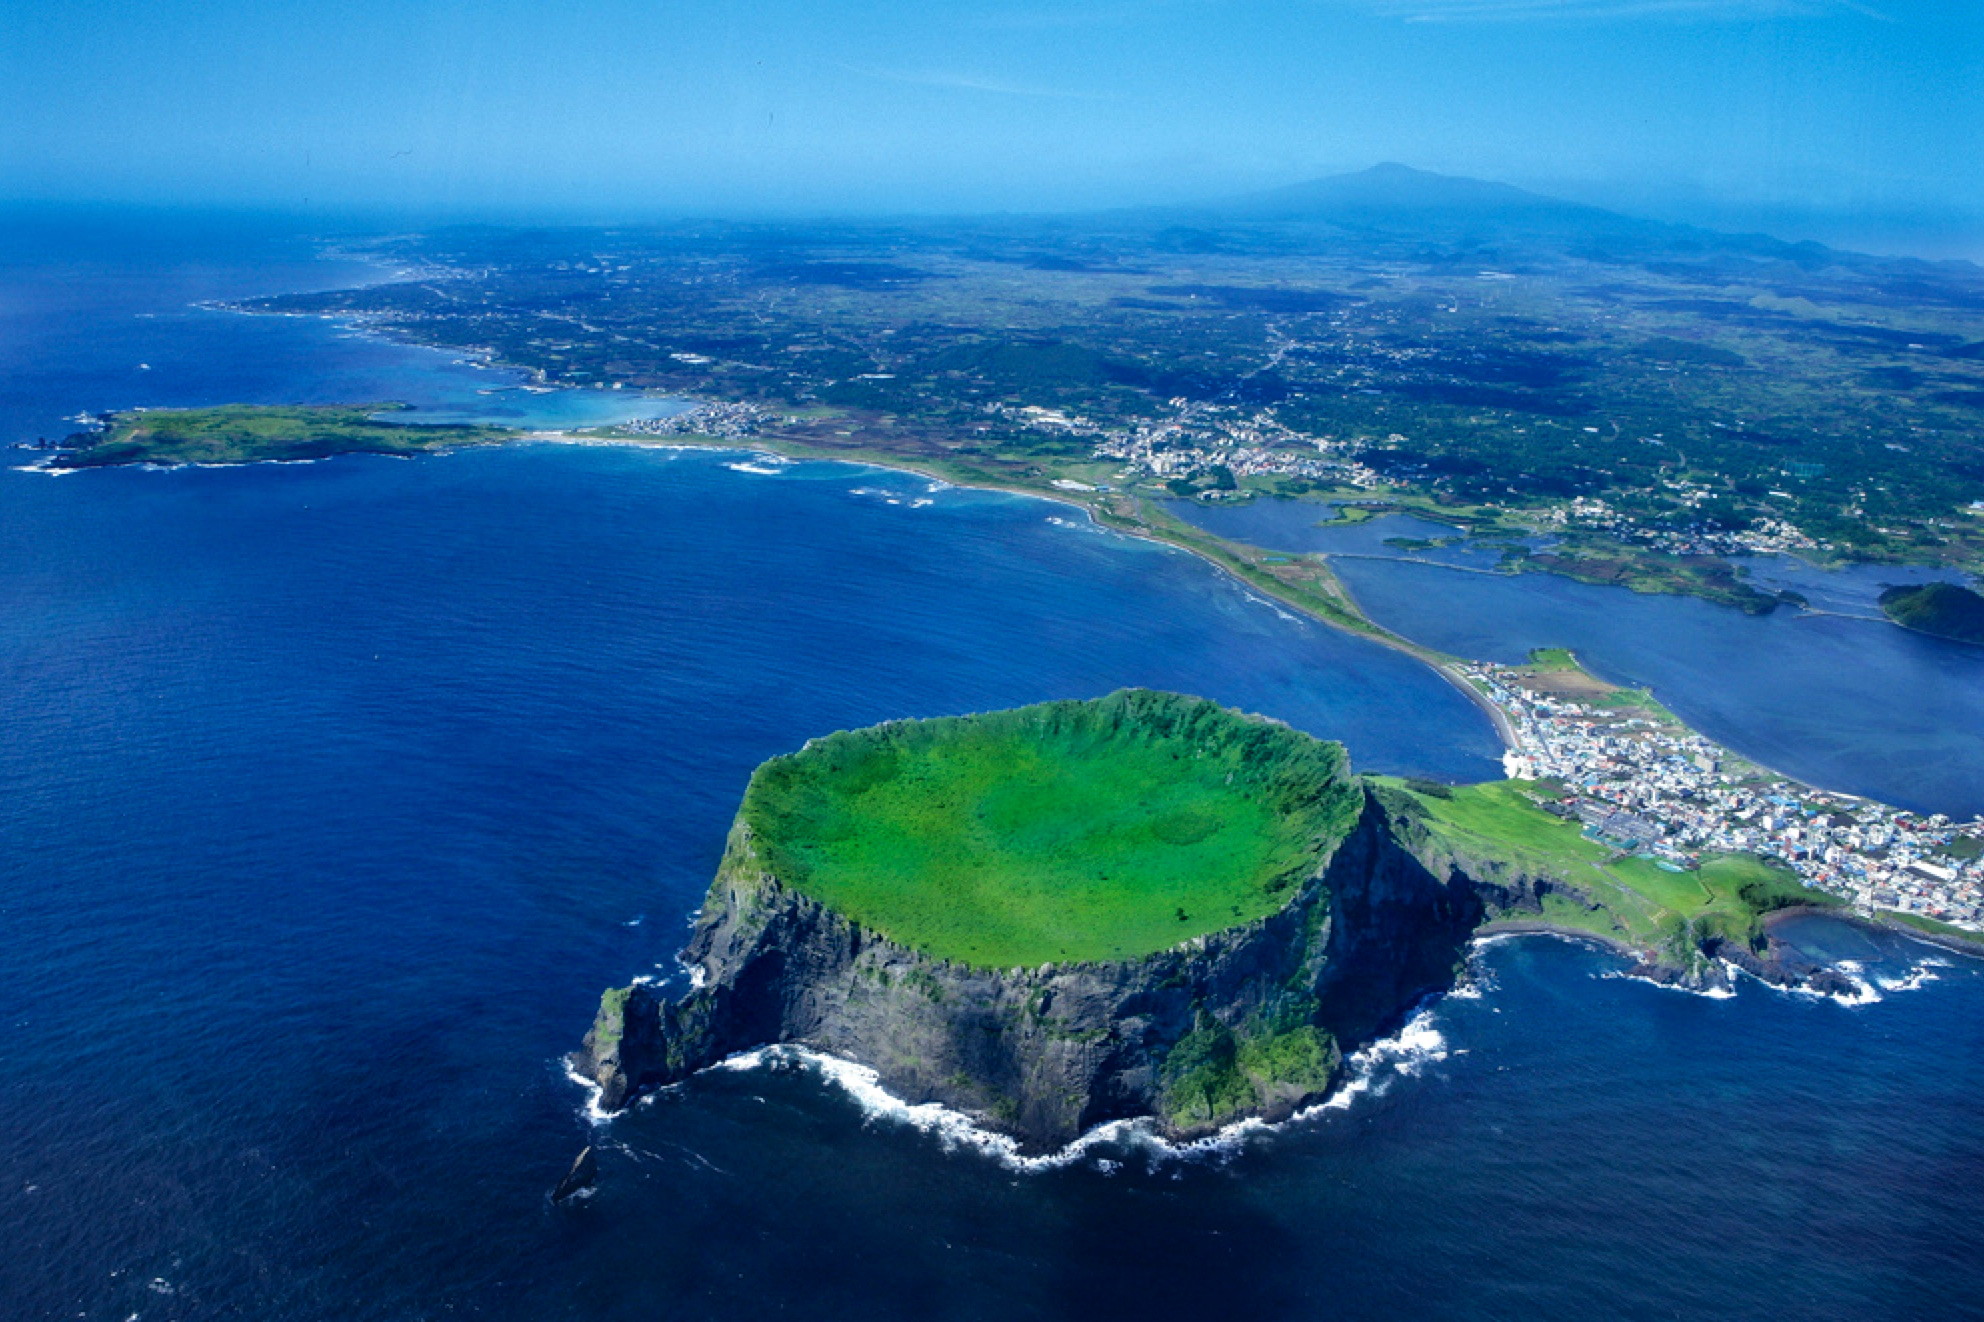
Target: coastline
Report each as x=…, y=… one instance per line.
x=1881, y=921
x=1105, y=520
x=487, y=357
x=1539, y=927
x=1441, y=663
x=1344, y=613
x=1415, y=1042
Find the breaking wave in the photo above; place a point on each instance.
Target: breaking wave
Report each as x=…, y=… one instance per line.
x=1371, y=1071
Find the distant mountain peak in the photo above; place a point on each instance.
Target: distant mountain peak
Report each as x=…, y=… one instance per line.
x=1394, y=188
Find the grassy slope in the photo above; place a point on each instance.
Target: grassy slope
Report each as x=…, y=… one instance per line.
x=1637, y=902
x=1062, y=832
x=1558, y=671
x=1947, y=610
x=1923, y=923
x=247, y=433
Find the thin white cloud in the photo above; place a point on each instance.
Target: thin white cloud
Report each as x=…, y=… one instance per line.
x=1119, y=14
x=1002, y=19
x=970, y=82
x=1491, y=11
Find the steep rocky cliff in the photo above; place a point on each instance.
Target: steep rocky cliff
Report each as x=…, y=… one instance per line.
x=1253, y=1019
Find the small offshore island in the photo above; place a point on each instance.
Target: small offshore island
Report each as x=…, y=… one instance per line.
x=1947, y=610
x=1144, y=906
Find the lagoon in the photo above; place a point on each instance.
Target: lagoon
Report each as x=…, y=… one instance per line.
x=1835, y=696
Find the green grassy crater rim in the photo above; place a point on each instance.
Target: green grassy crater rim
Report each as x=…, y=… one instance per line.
x=1066, y=831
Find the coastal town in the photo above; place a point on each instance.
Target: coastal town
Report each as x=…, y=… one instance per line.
x=1204, y=444
x=1636, y=778
x=706, y=418
x=1221, y=442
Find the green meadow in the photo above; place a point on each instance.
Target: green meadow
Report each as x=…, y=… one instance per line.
x=1067, y=831
x=1632, y=899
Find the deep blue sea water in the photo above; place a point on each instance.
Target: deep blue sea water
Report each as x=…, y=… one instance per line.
x=332, y=794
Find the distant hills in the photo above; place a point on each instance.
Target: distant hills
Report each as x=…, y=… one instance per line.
x=1397, y=204
x=1393, y=191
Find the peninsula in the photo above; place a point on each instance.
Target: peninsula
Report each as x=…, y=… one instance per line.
x=252, y=433
x=1607, y=398
x=1142, y=906
x=1613, y=759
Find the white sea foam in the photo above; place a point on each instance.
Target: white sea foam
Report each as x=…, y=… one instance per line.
x=1475, y=981
x=1503, y=938
x=1263, y=601
x=591, y=1110
x=1370, y=1071
x=1913, y=980
x=953, y=1129
x=1866, y=995
x=1863, y=993
x=272, y=463
x=1722, y=993
x=1374, y=1069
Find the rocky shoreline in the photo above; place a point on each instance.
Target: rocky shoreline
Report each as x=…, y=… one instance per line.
x=1250, y=1021
x=1779, y=963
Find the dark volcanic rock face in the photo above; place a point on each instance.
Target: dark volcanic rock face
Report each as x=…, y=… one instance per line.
x=1250, y=1020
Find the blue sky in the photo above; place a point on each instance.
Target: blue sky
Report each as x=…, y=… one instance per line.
x=615, y=108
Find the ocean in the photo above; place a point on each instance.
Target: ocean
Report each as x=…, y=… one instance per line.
x=332, y=794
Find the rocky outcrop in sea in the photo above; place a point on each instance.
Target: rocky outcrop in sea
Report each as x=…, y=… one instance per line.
x=1251, y=1020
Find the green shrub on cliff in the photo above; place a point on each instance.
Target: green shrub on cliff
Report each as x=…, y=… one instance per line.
x=1066, y=831
x=1214, y=1074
